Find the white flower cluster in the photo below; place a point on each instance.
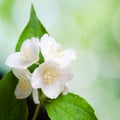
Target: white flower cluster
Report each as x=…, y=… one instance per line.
x=51, y=76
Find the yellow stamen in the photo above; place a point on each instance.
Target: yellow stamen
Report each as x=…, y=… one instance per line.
x=24, y=84
x=50, y=76
x=56, y=52
x=25, y=54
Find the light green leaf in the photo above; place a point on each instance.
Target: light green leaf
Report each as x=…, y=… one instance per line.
x=69, y=107
x=6, y=9
x=10, y=107
x=33, y=29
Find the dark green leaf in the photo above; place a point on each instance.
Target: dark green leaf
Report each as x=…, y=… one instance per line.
x=69, y=107
x=33, y=29
x=10, y=107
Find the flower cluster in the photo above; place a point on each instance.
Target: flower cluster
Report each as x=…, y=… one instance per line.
x=51, y=76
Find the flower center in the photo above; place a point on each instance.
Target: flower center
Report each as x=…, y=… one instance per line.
x=24, y=84
x=55, y=51
x=50, y=76
x=26, y=54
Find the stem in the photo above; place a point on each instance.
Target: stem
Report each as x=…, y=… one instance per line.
x=36, y=112
x=41, y=98
x=37, y=63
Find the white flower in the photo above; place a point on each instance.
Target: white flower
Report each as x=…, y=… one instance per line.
x=51, y=78
x=24, y=88
x=53, y=51
x=28, y=55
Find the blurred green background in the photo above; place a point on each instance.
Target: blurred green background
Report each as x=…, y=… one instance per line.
x=91, y=28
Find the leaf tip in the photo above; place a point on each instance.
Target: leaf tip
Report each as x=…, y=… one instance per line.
x=32, y=10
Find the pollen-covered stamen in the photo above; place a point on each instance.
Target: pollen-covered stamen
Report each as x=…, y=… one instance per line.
x=50, y=76
x=56, y=52
x=24, y=84
x=26, y=54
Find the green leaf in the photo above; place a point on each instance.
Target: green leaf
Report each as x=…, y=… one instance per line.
x=69, y=107
x=10, y=107
x=33, y=29
x=6, y=10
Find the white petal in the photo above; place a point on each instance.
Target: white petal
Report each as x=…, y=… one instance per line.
x=66, y=74
x=65, y=89
x=68, y=56
x=36, y=80
x=35, y=96
x=32, y=45
x=45, y=45
x=52, y=91
x=22, y=74
x=14, y=60
x=20, y=94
